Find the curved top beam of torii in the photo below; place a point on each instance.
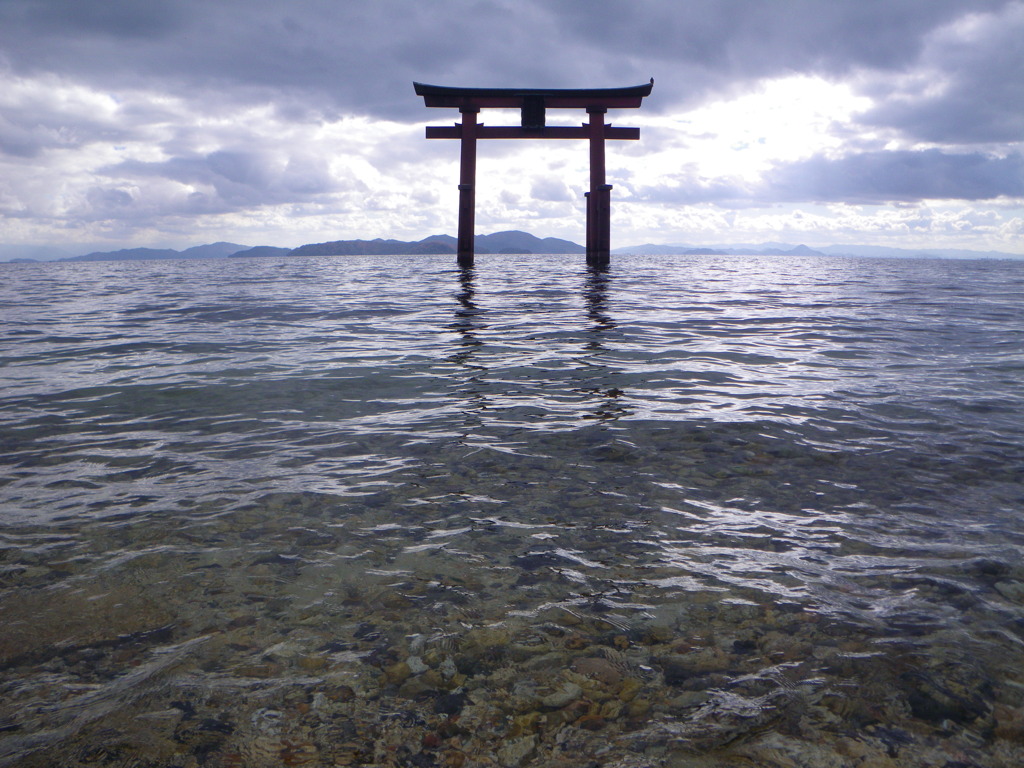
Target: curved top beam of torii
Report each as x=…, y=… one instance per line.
x=514, y=98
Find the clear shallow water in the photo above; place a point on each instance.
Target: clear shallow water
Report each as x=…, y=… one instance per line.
x=381, y=511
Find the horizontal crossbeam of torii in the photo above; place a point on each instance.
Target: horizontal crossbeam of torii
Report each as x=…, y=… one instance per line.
x=532, y=103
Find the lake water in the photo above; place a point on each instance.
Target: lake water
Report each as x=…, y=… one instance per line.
x=705, y=511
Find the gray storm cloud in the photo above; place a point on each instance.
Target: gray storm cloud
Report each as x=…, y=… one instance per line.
x=878, y=177
x=361, y=57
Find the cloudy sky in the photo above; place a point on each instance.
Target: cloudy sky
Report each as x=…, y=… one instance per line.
x=171, y=123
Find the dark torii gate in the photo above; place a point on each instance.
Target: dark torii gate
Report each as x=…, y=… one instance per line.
x=532, y=103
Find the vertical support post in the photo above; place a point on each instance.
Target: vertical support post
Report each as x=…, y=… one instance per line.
x=599, y=197
x=467, y=186
x=602, y=225
x=590, y=225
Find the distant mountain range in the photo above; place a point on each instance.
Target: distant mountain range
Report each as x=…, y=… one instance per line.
x=211, y=251
x=787, y=249
x=260, y=251
x=509, y=242
x=764, y=249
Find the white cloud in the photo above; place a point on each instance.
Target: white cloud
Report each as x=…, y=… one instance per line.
x=778, y=120
x=914, y=226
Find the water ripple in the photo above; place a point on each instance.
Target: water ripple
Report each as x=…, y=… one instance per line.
x=669, y=443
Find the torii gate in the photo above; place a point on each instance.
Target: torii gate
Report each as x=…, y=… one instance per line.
x=532, y=103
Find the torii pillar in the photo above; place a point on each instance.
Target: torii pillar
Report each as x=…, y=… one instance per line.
x=467, y=186
x=599, y=198
x=532, y=105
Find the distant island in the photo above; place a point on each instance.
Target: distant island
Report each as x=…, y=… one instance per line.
x=507, y=242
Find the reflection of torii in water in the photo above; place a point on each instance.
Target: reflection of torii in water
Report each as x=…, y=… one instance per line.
x=609, y=407
x=532, y=104
x=468, y=321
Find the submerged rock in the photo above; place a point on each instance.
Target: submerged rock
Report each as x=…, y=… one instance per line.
x=564, y=696
x=515, y=753
x=596, y=668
